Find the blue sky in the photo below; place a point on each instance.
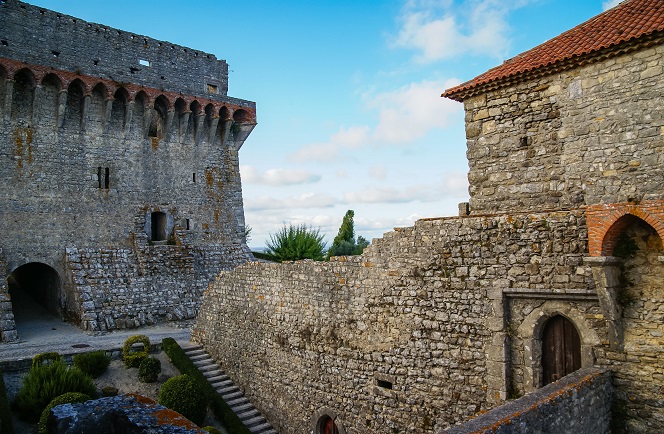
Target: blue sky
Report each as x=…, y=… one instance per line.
x=348, y=94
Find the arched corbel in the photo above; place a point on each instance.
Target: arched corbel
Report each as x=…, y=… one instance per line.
x=129, y=116
x=87, y=98
x=213, y=129
x=107, y=113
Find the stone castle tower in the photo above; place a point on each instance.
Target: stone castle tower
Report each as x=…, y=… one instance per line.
x=121, y=196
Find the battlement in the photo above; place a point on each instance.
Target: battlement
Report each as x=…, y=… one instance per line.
x=39, y=36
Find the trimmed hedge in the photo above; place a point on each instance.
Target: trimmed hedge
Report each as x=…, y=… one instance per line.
x=39, y=359
x=149, y=370
x=219, y=407
x=5, y=412
x=132, y=358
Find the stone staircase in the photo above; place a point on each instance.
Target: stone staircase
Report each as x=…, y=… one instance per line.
x=245, y=410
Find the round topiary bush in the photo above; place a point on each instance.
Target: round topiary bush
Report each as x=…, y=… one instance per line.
x=46, y=382
x=182, y=395
x=131, y=356
x=149, y=370
x=94, y=364
x=45, y=359
x=65, y=398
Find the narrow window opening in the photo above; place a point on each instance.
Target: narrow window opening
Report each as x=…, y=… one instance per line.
x=107, y=178
x=384, y=384
x=194, y=178
x=4, y=43
x=158, y=226
x=524, y=141
x=96, y=62
x=144, y=62
x=211, y=88
x=99, y=176
x=55, y=53
x=188, y=224
x=133, y=70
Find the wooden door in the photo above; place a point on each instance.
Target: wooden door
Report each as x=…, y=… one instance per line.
x=329, y=427
x=561, y=349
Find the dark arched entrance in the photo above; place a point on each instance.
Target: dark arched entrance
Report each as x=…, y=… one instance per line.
x=561, y=349
x=327, y=426
x=34, y=289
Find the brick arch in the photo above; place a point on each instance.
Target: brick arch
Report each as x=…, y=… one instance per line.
x=606, y=223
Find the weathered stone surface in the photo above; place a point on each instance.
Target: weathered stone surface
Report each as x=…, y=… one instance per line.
x=124, y=414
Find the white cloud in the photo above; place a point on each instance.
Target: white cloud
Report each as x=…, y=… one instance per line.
x=321, y=152
x=305, y=200
x=455, y=184
x=404, y=115
x=441, y=30
x=390, y=195
x=277, y=177
x=610, y=4
x=412, y=111
x=378, y=172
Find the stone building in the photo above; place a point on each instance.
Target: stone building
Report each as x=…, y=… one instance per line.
x=554, y=265
x=120, y=194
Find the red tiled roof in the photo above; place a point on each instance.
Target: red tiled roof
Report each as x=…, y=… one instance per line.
x=628, y=21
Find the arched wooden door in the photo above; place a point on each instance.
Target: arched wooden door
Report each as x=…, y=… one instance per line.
x=561, y=349
x=328, y=426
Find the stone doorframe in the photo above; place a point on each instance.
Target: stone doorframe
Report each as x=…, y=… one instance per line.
x=316, y=419
x=533, y=325
x=498, y=353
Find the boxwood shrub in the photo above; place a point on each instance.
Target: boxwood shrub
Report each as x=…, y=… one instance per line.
x=149, y=370
x=133, y=357
x=183, y=395
x=94, y=364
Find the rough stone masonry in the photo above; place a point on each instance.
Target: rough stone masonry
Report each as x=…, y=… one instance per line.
x=555, y=264
x=121, y=196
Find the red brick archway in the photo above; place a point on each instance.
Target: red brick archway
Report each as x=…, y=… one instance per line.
x=607, y=221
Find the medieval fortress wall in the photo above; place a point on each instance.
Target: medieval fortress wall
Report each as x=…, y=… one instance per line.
x=119, y=170
x=440, y=321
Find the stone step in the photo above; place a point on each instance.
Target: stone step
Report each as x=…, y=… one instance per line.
x=208, y=368
x=227, y=389
x=202, y=356
x=217, y=378
x=242, y=407
x=194, y=351
x=250, y=412
x=221, y=383
x=236, y=401
x=231, y=395
x=260, y=429
x=205, y=362
x=269, y=430
x=256, y=420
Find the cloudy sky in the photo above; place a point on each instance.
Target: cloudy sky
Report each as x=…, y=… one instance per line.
x=348, y=94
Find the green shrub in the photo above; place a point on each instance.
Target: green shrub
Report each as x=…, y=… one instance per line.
x=133, y=357
x=41, y=359
x=46, y=382
x=65, y=398
x=149, y=369
x=5, y=412
x=220, y=408
x=183, y=395
x=94, y=364
x=211, y=430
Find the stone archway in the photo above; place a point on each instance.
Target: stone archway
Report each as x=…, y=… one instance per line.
x=35, y=291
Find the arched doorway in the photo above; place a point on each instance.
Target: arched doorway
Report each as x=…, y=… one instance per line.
x=561, y=349
x=327, y=426
x=35, y=290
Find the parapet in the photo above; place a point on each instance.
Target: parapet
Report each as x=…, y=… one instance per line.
x=39, y=36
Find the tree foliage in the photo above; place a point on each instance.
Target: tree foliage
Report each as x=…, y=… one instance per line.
x=344, y=243
x=292, y=243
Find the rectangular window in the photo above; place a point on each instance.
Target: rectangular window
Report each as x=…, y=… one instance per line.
x=384, y=384
x=107, y=178
x=188, y=224
x=211, y=88
x=144, y=62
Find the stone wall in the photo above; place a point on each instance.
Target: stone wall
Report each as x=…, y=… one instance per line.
x=584, y=136
x=579, y=403
x=39, y=36
x=102, y=165
x=399, y=338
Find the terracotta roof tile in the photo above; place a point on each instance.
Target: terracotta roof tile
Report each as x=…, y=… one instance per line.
x=629, y=20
